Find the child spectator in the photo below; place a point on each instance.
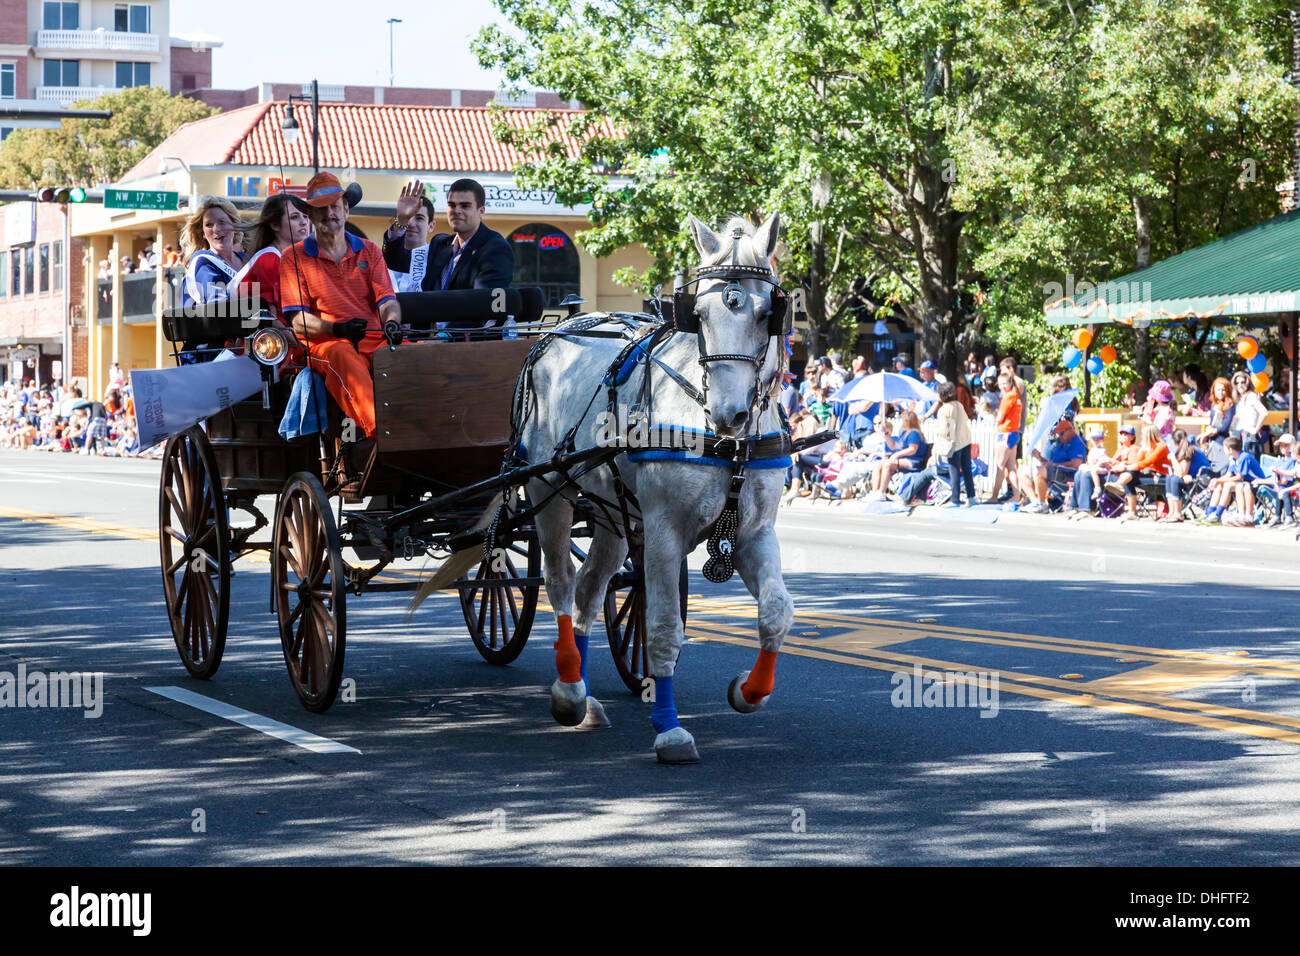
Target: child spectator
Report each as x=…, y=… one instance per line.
x=1186, y=461
x=1283, y=479
x=1159, y=409
x=1238, y=483
x=1152, y=457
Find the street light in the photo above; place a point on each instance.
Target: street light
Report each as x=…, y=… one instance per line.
x=391, y=21
x=291, y=130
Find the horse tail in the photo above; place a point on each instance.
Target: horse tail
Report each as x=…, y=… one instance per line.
x=457, y=563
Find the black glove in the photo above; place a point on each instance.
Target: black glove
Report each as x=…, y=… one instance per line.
x=354, y=330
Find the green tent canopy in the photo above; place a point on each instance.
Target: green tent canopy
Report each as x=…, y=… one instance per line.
x=1252, y=272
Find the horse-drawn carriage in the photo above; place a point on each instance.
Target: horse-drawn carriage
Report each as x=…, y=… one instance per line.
x=498, y=487
x=443, y=422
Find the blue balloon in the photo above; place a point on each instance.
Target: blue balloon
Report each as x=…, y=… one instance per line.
x=1095, y=365
x=1258, y=363
x=1071, y=357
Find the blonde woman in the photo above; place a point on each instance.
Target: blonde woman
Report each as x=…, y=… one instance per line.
x=210, y=243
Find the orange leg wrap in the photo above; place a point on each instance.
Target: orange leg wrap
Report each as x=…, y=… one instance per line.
x=568, y=662
x=761, y=679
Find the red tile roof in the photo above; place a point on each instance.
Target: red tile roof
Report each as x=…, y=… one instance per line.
x=362, y=137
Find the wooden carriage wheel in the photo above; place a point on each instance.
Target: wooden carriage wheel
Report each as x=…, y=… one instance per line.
x=309, y=589
x=500, y=616
x=194, y=542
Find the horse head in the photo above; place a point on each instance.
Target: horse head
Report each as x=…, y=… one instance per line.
x=731, y=312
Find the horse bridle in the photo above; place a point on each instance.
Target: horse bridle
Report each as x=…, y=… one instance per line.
x=734, y=296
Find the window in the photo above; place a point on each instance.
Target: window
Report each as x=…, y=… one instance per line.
x=45, y=267
x=132, y=74
x=130, y=18
x=56, y=277
x=8, y=81
x=4, y=135
x=189, y=81
x=546, y=257
x=62, y=73
x=4, y=271
x=16, y=273
x=61, y=16
x=29, y=269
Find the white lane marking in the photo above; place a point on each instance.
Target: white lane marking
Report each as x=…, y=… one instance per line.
x=272, y=728
x=98, y=481
x=1145, y=559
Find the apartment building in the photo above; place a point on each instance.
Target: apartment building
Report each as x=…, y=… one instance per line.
x=55, y=52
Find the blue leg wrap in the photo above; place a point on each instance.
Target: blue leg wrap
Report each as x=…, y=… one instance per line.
x=663, y=715
x=581, y=641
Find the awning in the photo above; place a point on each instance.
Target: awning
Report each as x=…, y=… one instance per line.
x=1252, y=272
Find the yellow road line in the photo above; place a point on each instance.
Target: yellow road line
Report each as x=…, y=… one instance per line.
x=910, y=631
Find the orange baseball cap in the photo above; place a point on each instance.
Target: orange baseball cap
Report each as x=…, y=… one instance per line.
x=323, y=189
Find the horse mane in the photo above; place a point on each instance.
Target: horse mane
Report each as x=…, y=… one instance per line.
x=723, y=255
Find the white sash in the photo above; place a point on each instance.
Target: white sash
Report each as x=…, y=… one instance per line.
x=192, y=287
x=413, y=280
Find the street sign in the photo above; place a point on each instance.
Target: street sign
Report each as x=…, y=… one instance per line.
x=141, y=199
x=26, y=354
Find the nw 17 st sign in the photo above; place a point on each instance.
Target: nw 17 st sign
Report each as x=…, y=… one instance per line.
x=140, y=199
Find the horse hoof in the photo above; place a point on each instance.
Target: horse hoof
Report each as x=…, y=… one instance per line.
x=737, y=699
x=676, y=746
x=595, y=719
x=569, y=702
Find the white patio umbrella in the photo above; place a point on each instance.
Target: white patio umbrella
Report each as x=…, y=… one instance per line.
x=885, y=387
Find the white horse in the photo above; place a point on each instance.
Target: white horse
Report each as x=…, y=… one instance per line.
x=679, y=499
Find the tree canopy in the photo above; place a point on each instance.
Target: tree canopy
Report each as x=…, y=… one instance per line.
x=947, y=158
x=85, y=152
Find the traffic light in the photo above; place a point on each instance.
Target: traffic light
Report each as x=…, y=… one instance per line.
x=63, y=194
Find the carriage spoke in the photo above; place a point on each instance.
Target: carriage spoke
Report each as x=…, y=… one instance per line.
x=293, y=615
x=175, y=566
x=178, y=510
x=482, y=609
x=506, y=629
x=175, y=534
x=291, y=562
x=514, y=608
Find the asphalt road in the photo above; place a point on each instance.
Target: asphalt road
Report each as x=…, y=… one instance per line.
x=1147, y=708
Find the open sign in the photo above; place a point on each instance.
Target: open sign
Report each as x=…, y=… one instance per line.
x=555, y=240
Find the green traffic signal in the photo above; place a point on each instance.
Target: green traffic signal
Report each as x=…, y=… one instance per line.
x=65, y=194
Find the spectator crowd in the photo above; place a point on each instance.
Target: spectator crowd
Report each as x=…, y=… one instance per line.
x=57, y=419
x=1232, y=470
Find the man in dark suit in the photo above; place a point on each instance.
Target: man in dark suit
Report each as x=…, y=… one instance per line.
x=471, y=256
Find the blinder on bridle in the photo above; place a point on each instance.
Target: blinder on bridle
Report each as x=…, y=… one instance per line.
x=779, y=319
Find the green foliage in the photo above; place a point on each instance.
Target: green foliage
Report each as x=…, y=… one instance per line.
x=90, y=152
x=925, y=156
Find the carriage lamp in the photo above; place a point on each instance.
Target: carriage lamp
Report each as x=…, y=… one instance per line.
x=270, y=346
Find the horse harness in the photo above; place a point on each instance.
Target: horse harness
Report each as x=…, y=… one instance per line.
x=644, y=335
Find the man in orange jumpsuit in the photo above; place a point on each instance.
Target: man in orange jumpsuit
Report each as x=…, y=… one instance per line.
x=335, y=289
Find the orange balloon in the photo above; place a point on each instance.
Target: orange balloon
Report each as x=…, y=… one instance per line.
x=1261, y=381
x=1248, y=347
x=1107, y=353
x=1081, y=338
